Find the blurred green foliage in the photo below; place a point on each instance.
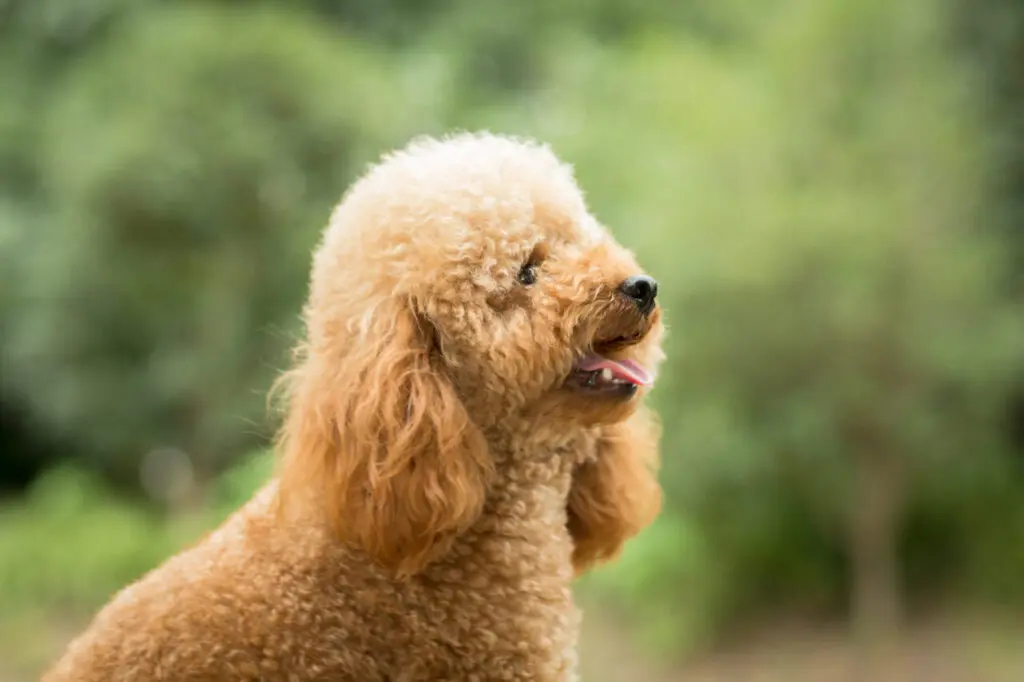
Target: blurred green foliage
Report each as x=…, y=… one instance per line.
x=844, y=346
x=204, y=169
x=828, y=192
x=71, y=543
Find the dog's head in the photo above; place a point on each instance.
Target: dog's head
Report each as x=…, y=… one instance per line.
x=462, y=287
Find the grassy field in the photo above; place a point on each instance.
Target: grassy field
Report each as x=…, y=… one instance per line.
x=944, y=649
x=67, y=546
x=965, y=649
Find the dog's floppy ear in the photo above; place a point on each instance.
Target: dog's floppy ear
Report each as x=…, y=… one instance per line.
x=376, y=429
x=615, y=493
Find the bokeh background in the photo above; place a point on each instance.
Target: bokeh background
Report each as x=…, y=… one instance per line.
x=831, y=193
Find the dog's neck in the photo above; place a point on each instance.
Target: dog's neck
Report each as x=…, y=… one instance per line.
x=527, y=456
x=525, y=511
x=522, y=530
x=533, y=477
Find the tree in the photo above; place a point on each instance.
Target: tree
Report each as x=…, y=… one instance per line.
x=189, y=165
x=843, y=341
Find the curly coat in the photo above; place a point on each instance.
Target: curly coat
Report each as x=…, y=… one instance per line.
x=441, y=481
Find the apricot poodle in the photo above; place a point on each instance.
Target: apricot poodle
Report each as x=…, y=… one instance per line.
x=464, y=433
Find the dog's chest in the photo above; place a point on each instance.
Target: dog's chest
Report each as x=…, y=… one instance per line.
x=497, y=606
x=514, y=619
x=500, y=606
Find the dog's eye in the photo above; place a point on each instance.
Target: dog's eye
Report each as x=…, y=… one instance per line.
x=528, y=273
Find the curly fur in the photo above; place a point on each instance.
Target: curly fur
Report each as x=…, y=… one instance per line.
x=439, y=486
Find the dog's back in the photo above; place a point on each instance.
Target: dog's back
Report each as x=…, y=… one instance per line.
x=243, y=604
x=259, y=599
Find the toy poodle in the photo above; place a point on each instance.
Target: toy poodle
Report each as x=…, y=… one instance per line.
x=463, y=434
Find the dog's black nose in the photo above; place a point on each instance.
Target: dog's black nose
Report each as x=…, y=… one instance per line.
x=642, y=289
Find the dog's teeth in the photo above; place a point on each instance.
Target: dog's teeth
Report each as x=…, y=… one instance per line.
x=606, y=374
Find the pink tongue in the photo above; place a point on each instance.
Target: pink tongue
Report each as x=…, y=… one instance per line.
x=626, y=370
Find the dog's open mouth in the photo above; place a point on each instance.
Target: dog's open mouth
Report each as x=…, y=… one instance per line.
x=600, y=372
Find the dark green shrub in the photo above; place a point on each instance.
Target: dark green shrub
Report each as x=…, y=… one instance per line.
x=189, y=176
